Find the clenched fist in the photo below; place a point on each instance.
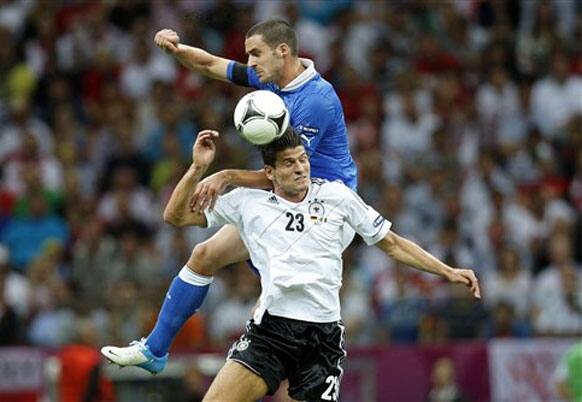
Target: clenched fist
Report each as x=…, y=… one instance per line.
x=168, y=40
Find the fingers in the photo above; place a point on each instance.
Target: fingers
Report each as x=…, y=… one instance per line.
x=467, y=277
x=167, y=39
x=201, y=199
x=201, y=203
x=213, y=198
x=209, y=134
x=476, y=289
x=473, y=283
x=207, y=137
x=195, y=198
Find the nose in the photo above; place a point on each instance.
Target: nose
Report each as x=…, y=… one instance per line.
x=251, y=61
x=299, y=167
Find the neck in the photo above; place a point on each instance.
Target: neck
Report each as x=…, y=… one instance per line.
x=290, y=71
x=291, y=196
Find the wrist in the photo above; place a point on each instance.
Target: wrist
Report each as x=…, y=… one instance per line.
x=197, y=169
x=181, y=49
x=228, y=176
x=448, y=272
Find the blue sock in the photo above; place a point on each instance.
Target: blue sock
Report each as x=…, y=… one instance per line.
x=184, y=297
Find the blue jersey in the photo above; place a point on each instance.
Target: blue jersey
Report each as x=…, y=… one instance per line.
x=316, y=114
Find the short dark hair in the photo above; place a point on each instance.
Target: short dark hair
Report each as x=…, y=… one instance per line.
x=275, y=32
x=288, y=140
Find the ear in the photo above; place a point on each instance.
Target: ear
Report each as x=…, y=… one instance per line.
x=283, y=49
x=269, y=172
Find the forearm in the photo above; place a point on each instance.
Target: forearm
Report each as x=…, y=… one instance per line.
x=248, y=178
x=177, y=211
x=409, y=253
x=201, y=61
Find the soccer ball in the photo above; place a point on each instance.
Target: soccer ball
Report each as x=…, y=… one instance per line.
x=260, y=117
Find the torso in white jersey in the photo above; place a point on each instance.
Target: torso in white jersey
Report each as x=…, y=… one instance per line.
x=297, y=247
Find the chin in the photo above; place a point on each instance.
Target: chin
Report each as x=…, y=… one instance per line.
x=302, y=187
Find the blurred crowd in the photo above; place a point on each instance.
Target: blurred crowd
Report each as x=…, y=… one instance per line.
x=464, y=116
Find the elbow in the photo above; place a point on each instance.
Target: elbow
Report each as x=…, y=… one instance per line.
x=390, y=244
x=173, y=219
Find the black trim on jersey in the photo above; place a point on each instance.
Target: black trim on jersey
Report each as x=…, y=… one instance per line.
x=240, y=74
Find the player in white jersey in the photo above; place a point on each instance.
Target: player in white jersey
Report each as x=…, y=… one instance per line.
x=294, y=235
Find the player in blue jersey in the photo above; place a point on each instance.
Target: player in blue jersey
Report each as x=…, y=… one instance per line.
x=316, y=114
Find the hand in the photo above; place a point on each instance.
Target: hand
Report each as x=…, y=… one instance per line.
x=168, y=40
x=207, y=191
x=466, y=277
x=204, y=148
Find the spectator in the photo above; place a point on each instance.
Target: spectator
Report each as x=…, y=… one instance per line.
x=11, y=324
x=92, y=256
x=444, y=386
x=172, y=124
x=503, y=323
x=145, y=67
x=509, y=284
x=127, y=201
x=81, y=376
x=26, y=236
x=567, y=376
x=235, y=311
x=555, y=99
x=558, y=292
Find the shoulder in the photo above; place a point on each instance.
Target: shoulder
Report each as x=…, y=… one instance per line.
x=319, y=86
x=334, y=187
x=245, y=193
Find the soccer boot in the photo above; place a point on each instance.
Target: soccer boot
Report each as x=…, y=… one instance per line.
x=136, y=354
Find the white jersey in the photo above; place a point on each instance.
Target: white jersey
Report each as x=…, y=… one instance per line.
x=297, y=247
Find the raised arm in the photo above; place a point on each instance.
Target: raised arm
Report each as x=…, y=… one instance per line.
x=409, y=253
x=192, y=58
x=212, y=186
x=177, y=211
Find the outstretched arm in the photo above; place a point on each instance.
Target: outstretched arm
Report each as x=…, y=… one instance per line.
x=192, y=58
x=212, y=186
x=177, y=211
x=409, y=253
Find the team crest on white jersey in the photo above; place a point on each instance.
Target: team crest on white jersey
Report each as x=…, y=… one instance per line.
x=317, y=211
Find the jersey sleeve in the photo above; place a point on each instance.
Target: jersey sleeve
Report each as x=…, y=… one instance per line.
x=312, y=120
x=364, y=219
x=243, y=75
x=227, y=209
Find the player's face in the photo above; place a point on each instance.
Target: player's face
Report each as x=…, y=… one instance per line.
x=266, y=61
x=291, y=173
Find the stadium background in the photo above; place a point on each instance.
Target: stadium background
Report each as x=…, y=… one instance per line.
x=464, y=117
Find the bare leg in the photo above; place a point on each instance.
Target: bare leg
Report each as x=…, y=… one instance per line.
x=282, y=394
x=224, y=248
x=236, y=383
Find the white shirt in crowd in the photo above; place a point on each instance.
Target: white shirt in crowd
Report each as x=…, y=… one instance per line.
x=553, y=103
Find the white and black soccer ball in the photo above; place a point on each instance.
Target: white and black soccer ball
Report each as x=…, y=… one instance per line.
x=261, y=116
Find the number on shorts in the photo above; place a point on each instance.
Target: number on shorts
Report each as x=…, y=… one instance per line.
x=331, y=391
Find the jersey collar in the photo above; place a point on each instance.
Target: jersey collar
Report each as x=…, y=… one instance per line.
x=285, y=201
x=302, y=78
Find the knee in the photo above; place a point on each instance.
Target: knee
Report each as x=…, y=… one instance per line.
x=202, y=261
